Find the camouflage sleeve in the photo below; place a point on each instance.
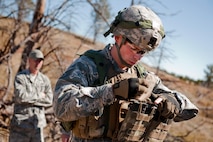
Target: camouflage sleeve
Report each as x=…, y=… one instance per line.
x=74, y=96
x=188, y=109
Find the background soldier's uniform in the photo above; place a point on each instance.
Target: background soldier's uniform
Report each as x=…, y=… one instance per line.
x=29, y=112
x=93, y=109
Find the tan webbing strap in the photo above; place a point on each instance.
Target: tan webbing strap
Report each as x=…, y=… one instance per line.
x=164, y=126
x=158, y=135
x=95, y=130
x=113, y=127
x=153, y=124
x=161, y=131
x=80, y=128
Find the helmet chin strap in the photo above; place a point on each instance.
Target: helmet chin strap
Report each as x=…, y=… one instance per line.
x=118, y=47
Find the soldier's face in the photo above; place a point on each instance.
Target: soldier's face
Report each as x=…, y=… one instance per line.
x=129, y=55
x=35, y=64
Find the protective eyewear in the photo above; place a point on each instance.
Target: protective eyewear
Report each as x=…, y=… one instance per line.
x=135, y=49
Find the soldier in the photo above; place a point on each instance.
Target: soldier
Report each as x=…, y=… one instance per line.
x=33, y=92
x=94, y=95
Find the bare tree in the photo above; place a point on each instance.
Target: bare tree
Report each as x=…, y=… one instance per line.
x=34, y=28
x=24, y=8
x=100, y=16
x=19, y=36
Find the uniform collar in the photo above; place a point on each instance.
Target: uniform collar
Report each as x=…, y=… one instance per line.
x=107, y=53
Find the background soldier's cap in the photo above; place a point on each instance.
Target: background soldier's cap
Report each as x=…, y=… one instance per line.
x=36, y=54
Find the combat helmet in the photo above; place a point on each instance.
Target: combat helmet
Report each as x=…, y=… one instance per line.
x=140, y=25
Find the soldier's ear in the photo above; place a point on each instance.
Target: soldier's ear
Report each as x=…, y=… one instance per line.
x=118, y=38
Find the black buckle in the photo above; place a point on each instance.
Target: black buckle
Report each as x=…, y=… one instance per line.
x=146, y=108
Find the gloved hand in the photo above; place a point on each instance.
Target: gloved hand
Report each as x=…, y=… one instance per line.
x=132, y=88
x=168, y=106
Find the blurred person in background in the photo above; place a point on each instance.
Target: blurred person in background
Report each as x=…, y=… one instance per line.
x=32, y=93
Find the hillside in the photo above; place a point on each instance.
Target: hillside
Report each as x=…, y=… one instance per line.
x=198, y=129
x=69, y=46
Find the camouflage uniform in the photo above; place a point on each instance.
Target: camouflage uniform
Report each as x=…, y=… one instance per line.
x=76, y=97
x=29, y=119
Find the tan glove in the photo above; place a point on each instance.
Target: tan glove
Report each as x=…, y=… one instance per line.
x=168, y=106
x=150, y=81
x=133, y=88
x=121, y=88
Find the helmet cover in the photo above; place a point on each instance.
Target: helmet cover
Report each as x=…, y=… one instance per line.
x=140, y=25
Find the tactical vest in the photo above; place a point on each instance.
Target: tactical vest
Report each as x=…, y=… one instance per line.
x=123, y=120
x=90, y=127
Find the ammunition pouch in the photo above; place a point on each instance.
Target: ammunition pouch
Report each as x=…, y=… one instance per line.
x=140, y=121
x=141, y=124
x=88, y=128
